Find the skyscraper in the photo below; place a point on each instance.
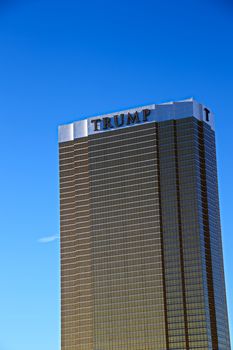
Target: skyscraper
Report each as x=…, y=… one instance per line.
x=141, y=250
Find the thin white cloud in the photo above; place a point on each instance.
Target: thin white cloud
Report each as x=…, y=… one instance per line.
x=48, y=239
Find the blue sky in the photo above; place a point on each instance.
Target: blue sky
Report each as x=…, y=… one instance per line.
x=61, y=60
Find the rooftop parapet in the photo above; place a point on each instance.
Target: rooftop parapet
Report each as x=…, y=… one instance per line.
x=135, y=116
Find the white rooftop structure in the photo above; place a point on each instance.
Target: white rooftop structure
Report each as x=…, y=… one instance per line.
x=154, y=113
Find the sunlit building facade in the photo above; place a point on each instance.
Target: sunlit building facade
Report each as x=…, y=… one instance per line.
x=141, y=249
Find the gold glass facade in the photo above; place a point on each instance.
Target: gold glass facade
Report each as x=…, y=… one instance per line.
x=141, y=254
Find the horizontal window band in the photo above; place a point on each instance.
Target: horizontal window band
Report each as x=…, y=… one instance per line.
x=104, y=270
x=128, y=176
x=93, y=155
x=103, y=258
x=70, y=277
x=129, y=257
x=119, y=166
x=104, y=273
x=76, y=207
x=78, y=161
x=74, y=166
x=77, y=143
x=112, y=255
x=124, y=188
x=127, y=307
x=72, y=143
x=76, y=186
x=126, y=291
x=124, y=178
x=74, y=170
x=77, y=221
x=151, y=191
x=99, y=281
x=111, y=201
x=123, y=210
x=75, y=178
x=124, y=214
x=75, y=212
x=128, y=139
x=91, y=191
x=142, y=236
x=123, y=223
x=129, y=160
x=113, y=245
x=105, y=154
x=69, y=206
x=80, y=150
x=101, y=297
x=67, y=201
x=153, y=225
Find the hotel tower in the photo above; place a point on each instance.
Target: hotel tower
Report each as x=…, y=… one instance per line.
x=141, y=248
